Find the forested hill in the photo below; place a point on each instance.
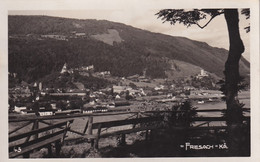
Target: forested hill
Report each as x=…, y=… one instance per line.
x=40, y=45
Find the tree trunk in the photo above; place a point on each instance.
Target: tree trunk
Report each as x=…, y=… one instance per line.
x=234, y=109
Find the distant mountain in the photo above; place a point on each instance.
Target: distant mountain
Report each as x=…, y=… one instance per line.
x=40, y=45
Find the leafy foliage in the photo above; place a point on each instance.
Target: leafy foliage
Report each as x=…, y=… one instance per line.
x=188, y=18
x=205, y=82
x=67, y=80
x=183, y=114
x=242, y=85
x=33, y=60
x=246, y=12
x=193, y=17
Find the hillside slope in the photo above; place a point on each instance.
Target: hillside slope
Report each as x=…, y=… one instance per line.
x=40, y=45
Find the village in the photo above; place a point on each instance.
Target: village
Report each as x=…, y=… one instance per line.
x=131, y=93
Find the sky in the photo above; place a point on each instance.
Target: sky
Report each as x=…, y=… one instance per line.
x=215, y=34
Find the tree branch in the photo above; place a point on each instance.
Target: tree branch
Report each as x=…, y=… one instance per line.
x=209, y=20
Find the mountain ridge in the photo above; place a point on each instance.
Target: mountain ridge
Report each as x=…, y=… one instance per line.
x=139, y=49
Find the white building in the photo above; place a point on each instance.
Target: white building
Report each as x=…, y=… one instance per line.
x=202, y=74
x=40, y=86
x=118, y=89
x=80, y=34
x=19, y=109
x=91, y=67
x=46, y=113
x=64, y=68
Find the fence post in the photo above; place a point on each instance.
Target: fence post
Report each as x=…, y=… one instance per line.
x=36, y=126
x=146, y=135
x=208, y=127
x=89, y=130
x=98, y=136
x=86, y=126
x=122, y=142
x=49, y=150
x=58, y=148
x=137, y=116
x=151, y=135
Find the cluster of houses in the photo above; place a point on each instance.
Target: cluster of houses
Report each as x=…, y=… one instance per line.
x=84, y=70
x=138, y=78
x=99, y=100
x=128, y=89
x=55, y=36
x=103, y=73
x=13, y=75
x=24, y=90
x=74, y=34
x=20, y=91
x=42, y=111
x=206, y=94
x=71, y=35
x=103, y=99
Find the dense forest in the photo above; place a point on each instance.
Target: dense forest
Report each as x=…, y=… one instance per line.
x=35, y=59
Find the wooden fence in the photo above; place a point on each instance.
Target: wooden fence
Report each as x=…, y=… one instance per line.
x=88, y=126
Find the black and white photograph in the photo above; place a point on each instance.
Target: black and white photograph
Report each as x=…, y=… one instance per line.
x=127, y=79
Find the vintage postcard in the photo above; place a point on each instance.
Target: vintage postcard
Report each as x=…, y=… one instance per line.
x=104, y=80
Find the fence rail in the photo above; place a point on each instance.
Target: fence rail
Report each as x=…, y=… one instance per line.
x=31, y=118
x=89, y=125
